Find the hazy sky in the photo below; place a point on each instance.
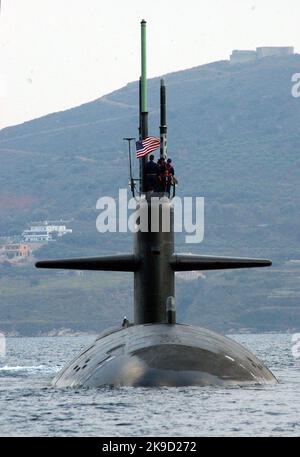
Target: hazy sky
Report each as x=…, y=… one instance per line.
x=55, y=54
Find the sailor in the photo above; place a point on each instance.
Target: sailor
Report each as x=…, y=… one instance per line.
x=162, y=174
x=125, y=322
x=170, y=175
x=151, y=174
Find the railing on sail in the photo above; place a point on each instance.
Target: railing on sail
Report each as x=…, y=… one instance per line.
x=132, y=180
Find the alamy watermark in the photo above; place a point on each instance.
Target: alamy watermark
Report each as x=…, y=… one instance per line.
x=296, y=86
x=123, y=215
x=296, y=345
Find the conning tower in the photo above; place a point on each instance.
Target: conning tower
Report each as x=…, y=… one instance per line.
x=154, y=261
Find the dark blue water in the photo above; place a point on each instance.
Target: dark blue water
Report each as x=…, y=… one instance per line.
x=31, y=407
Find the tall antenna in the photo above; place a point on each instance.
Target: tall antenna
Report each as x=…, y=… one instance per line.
x=143, y=102
x=163, y=120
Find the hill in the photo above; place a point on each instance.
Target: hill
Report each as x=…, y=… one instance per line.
x=234, y=138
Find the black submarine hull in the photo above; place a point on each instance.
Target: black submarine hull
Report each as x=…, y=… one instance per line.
x=156, y=355
x=156, y=351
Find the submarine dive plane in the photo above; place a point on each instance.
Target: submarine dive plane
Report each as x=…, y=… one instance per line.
x=156, y=350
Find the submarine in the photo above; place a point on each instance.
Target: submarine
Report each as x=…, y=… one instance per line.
x=156, y=350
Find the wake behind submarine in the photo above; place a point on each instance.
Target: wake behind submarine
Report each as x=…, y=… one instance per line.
x=156, y=350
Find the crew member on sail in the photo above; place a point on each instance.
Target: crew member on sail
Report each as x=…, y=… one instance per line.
x=152, y=175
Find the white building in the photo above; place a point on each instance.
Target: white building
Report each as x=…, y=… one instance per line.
x=44, y=231
x=36, y=236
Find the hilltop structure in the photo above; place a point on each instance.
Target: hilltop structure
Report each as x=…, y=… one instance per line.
x=241, y=56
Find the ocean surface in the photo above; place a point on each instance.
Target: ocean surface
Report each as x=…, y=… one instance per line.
x=31, y=407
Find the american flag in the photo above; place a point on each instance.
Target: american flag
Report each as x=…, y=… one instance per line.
x=144, y=147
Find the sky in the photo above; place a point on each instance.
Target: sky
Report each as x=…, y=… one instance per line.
x=56, y=54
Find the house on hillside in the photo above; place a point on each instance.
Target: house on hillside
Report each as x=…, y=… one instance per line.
x=14, y=251
x=42, y=232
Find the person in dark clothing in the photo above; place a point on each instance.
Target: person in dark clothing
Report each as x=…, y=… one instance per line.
x=151, y=175
x=170, y=175
x=162, y=174
x=170, y=167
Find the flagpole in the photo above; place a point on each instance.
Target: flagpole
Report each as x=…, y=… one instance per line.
x=130, y=164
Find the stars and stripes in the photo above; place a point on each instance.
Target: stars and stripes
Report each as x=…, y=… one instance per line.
x=144, y=147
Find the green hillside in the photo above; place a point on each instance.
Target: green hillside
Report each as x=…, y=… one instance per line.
x=234, y=137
